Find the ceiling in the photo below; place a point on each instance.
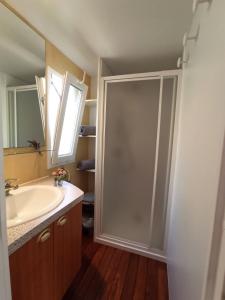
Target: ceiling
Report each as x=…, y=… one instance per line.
x=133, y=35
x=22, y=51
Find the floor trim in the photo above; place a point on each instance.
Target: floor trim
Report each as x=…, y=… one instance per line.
x=128, y=247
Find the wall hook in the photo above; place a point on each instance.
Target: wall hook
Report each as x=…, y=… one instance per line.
x=181, y=62
x=187, y=38
x=197, y=2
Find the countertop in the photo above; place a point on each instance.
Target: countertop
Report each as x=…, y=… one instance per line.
x=20, y=234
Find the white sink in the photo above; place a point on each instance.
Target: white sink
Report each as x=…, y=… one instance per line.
x=30, y=202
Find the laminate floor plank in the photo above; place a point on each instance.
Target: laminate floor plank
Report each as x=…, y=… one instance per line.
x=97, y=285
x=91, y=273
x=141, y=281
x=130, y=278
x=111, y=274
x=120, y=277
x=151, y=288
x=162, y=282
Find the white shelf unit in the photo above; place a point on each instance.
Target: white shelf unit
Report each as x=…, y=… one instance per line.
x=90, y=171
x=90, y=105
x=87, y=136
x=91, y=102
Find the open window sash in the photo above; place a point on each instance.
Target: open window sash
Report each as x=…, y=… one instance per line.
x=55, y=82
x=69, y=120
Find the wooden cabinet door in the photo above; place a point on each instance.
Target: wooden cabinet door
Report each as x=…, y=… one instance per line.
x=31, y=268
x=67, y=249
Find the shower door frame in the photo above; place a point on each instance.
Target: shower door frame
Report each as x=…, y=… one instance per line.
x=108, y=239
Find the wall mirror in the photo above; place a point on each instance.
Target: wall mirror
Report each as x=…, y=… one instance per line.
x=22, y=82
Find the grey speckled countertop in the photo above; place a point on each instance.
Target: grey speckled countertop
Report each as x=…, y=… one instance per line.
x=20, y=234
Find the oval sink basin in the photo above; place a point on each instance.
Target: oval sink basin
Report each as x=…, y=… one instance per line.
x=30, y=202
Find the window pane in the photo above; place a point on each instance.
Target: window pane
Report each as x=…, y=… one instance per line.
x=70, y=122
x=55, y=93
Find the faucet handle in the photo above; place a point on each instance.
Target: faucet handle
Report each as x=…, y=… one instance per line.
x=9, y=186
x=8, y=181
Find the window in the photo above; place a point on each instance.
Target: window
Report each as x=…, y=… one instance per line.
x=66, y=98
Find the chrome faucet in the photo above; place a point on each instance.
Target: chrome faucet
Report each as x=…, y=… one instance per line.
x=9, y=186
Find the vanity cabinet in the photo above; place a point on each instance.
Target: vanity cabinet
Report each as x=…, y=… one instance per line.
x=31, y=268
x=45, y=266
x=67, y=250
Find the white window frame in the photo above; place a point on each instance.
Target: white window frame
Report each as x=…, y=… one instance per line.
x=69, y=80
x=50, y=147
x=53, y=158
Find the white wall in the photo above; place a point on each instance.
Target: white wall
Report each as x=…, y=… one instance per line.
x=202, y=125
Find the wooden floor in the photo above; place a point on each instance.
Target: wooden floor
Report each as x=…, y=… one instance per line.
x=109, y=273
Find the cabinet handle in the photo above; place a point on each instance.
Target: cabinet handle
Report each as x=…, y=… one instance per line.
x=62, y=221
x=44, y=236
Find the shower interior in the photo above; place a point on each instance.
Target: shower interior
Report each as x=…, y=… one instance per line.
x=136, y=122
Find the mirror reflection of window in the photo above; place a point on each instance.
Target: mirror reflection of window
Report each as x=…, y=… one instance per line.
x=23, y=109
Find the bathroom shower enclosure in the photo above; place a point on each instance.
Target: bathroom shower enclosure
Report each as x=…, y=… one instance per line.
x=137, y=120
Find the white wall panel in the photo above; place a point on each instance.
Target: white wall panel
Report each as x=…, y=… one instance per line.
x=202, y=125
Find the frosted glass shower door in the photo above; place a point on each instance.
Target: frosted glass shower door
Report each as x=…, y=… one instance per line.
x=131, y=123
